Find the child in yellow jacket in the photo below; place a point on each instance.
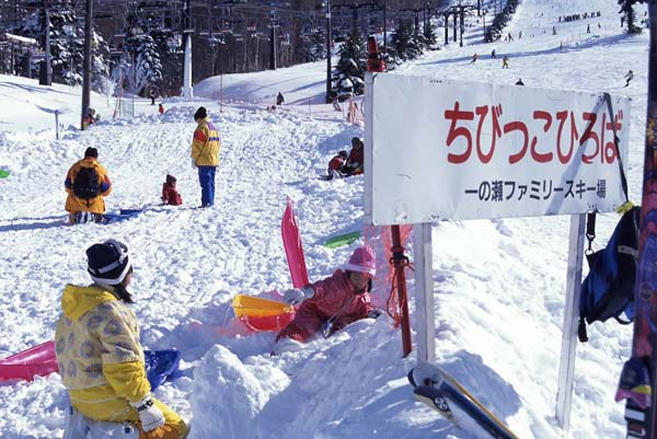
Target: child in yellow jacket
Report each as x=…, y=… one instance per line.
x=98, y=352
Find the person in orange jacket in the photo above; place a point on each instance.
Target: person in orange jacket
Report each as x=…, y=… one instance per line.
x=87, y=184
x=100, y=359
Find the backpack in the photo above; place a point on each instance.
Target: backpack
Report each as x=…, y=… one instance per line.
x=608, y=289
x=86, y=185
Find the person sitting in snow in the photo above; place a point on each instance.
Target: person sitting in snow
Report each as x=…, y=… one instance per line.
x=336, y=164
x=356, y=158
x=170, y=194
x=332, y=303
x=100, y=359
x=89, y=118
x=160, y=108
x=87, y=184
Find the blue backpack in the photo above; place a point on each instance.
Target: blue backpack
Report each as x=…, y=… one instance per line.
x=608, y=289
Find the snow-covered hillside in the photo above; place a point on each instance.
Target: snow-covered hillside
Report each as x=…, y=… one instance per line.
x=499, y=285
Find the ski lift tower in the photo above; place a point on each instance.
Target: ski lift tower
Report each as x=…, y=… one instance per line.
x=188, y=92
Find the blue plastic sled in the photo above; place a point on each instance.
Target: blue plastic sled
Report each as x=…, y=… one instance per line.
x=161, y=366
x=123, y=214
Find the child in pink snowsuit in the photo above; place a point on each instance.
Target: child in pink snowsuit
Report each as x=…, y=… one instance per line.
x=334, y=302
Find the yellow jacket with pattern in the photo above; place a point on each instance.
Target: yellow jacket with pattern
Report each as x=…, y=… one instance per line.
x=100, y=358
x=206, y=144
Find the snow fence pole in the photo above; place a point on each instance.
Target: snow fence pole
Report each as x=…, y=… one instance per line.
x=399, y=260
x=424, y=303
x=570, y=320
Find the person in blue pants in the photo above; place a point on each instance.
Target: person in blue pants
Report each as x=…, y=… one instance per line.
x=205, y=155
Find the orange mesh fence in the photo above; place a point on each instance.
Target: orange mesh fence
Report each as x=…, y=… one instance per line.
x=384, y=290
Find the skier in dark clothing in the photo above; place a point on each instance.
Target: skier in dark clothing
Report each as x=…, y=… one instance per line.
x=492, y=54
x=280, y=99
x=629, y=77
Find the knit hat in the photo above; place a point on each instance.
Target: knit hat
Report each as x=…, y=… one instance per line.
x=363, y=260
x=108, y=262
x=201, y=113
x=91, y=152
x=171, y=179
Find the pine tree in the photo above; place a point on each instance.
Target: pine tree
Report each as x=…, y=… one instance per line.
x=314, y=45
x=405, y=44
x=171, y=53
x=139, y=70
x=67, y=47
x=430, y=39
x=349, y=74
x=627, y=11
x=148, y=65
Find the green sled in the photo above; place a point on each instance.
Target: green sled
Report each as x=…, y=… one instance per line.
x=4, y=174
x=340, y=240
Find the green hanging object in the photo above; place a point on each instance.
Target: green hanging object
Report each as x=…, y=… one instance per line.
x=4, y=173
x=344, y=239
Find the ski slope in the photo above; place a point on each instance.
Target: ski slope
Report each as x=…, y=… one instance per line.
x=500, y=285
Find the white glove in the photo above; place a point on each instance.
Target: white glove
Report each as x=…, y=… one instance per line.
x=297, y=295
x=193, y=164
x=150, y=415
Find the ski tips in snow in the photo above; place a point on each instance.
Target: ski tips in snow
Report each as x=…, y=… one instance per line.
x=635, y=383
x=441, y=392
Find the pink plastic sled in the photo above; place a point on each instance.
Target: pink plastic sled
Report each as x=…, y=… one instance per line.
x=39, y=360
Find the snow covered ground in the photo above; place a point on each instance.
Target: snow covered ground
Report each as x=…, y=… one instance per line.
x=499, y=284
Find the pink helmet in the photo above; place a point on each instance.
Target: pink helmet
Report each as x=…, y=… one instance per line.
x=363, y=261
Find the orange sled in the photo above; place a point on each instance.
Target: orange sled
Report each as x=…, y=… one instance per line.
x=260, y=315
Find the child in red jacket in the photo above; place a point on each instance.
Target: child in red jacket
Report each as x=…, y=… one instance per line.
x=169, y=193
x=330, y=304
x=335, y=165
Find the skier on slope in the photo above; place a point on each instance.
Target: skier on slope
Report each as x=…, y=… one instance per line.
x=99, y=355
x=87, y=184
x=332, y=303
x=629, y=76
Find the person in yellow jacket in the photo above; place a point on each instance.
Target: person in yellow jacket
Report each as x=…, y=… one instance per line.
x=100, y=359
x=87, y=184
x=205, y=155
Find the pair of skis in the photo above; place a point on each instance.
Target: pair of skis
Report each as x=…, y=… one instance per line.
x=437, y=389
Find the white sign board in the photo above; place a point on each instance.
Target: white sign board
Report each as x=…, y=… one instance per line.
x=441, y=149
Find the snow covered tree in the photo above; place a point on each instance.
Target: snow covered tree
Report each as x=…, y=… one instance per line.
x=314, y=45
x=627, y=11
x=429, y=38
x=171, y=57
x=67, y=47
x=349, y=74
x=405, y=44
x=139, y=70
x=148, y=65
